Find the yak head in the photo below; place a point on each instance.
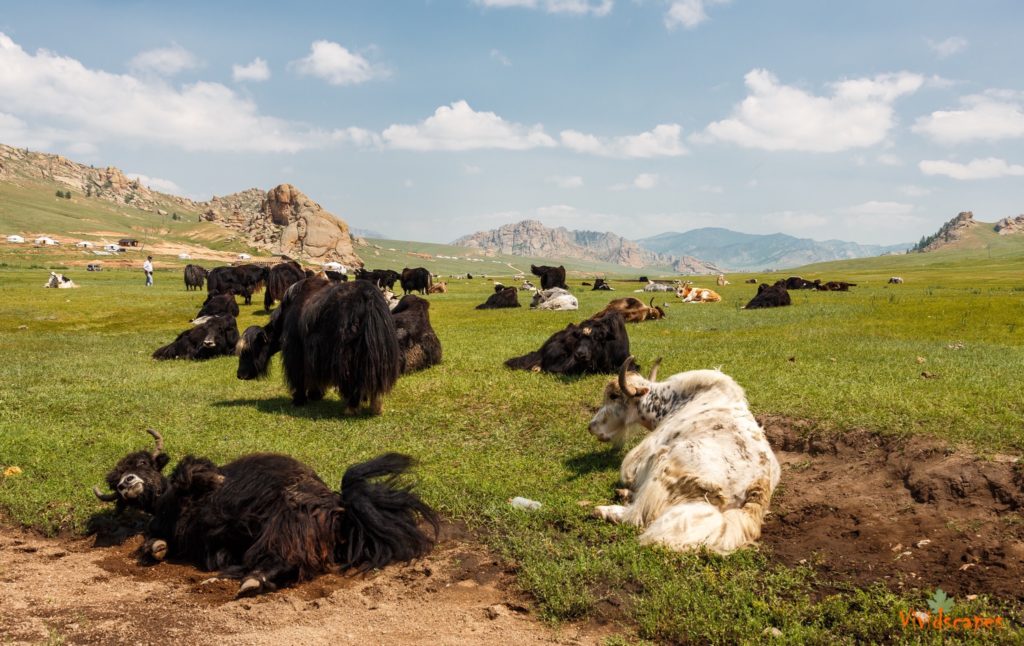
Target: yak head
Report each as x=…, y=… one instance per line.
x=254, y=352
x=136, y=480
x=620, y=410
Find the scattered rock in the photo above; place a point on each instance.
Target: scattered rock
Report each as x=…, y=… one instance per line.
x=495, y=611
x=12, y=471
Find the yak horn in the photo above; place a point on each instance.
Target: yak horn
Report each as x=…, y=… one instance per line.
x=652, y=302
x=105, y=497
x=654, y=370
x=159, y=442
x=626, y=366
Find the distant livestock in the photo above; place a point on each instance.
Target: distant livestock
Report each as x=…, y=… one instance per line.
x=195, y=276
x=554, y=299
x=652, y=286
x=440, y=287
x=596, y=345
x=691, y=294
x=770, y=296
x=217, y=304
x=601, y=285
x=279, y=278
x=633, y=310
x=550, y=276
x=59, y=281
x=704, y=476
x=527, y=286
x=416, y=338
x=507, y=297
x=268, y=519
x=417, y=279
x=795, y=282
x=836, y=286
x=722, y=282
x=243, y=280
x=751, y=281
x=896, y=280
x=379, y=277
x=214, y=336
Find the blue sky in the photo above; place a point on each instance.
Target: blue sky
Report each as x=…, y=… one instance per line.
x=869, y=121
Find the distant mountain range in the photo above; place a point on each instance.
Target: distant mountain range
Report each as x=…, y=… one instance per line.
x=737, y=251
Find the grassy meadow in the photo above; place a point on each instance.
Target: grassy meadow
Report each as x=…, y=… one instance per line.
x=78, y=389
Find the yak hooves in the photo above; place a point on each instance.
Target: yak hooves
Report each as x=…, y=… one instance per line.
x=251, y=586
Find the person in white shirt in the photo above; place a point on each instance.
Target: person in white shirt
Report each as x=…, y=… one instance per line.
x=148, y=268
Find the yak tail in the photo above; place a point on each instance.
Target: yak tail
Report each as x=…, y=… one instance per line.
x=525, y=362
x=268, y=298
x=695, y=524
x=380, y=522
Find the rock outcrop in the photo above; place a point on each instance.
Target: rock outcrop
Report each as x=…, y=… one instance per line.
x=948, y=233
x=1010, y=226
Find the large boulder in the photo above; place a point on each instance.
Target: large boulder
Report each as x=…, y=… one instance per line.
x=306, y=229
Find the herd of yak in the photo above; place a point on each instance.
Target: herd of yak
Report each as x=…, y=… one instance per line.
x=268, y=519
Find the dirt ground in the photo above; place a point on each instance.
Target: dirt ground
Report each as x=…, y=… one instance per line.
x=71, y=591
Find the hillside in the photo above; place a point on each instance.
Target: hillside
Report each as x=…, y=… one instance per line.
x=530, y=238
x=964, y=232
x=737, y=251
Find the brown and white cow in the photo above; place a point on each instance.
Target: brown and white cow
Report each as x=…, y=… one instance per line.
x=691, y=294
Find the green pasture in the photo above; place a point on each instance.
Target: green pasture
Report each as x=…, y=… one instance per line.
x=78, y=389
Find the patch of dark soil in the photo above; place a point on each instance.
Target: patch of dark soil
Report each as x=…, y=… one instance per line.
x=907, y=512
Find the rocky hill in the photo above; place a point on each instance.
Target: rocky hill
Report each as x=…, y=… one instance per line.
x=532, y=238
x=961, y=231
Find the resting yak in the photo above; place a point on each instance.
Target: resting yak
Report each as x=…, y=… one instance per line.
x=550, y=276
x=419, y=344
x=770, y=296
x=555, y=299
x=417, y=279
x=268, y=519
x=212, y=337
x=633, y=310
x=240, y=281
x=195, y=276
x=329, y=334
x=217, y=304
x=597, y=345
x=280, y=277
x=507, y=297
x=379, y=277
x=600, y=284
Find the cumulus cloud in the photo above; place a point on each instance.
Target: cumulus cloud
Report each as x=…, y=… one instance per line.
x=459, y=127
x=643, y=182
x=576, y=7
x=991, y=116
x=858, y=113
x=501, y=58
x=571, y=181
x=337, y=65
x=689, y=13
x=880, y=209
x=257, y=70
x=157, y=183
x=988, y=168
x=663, y=141
x=912, y=190
x=948, y=47
x=165, y=61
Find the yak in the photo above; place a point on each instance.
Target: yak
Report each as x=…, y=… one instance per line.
x=597, y=345
x=217, y=304
x=835, y=286
x=770, y=296
x=555, y=299
x=507, y=297
x=795, y=282
x=242, y=281
x=440, y=287
x=550, y=276
x=417, y=279
x=379, y=277
x=419, y=344
x=270, y=520
x=633, y=310
x=602, y=284
x=195, y=276
x=279, y=278
x=212, y=337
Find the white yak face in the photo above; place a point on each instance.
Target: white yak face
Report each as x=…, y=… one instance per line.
x=618, y=413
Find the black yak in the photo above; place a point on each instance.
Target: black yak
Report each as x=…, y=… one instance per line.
x=217, y=304
x=601, y=284
x=507, y=297
x=420, y=346
x=597, y=345
x=417, y=279
x=279, y=278
x=633, y=310
x=213, y=337
x=795, y=282
x=242, y=281
x=268, y=519
x=379, y=277
x=194, y=277
x=835, y=286
x=550, y=276
x=770, y=296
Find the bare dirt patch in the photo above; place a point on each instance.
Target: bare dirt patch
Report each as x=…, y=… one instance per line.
x=909, y=513
x=72, y=591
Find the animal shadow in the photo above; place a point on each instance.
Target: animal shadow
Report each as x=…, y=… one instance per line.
x=109, y=528
x=328, y=408
x=587, y=463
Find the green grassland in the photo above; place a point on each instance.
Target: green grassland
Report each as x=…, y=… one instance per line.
x=77, y=390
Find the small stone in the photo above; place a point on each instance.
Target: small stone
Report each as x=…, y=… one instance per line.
x=923, y=543
x=921, y=359
x=495, y=611
x=12, y=471
x=772, y=631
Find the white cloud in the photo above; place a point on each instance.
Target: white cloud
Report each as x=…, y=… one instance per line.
x=335, y=64
x=157, y=183
x=471, y=169
x=948, y=47
x=880, y=209
x=58, y=99
x=689, y=13
x=912, y=190
x=888, y=159
x=576, y=7
x=642, y=182
x=988, y=168
x=571, y=181
x=501, y=58
x=459, y=127
x=165, y=61
x=663, y=141
x=257, y=70
x=992, y=116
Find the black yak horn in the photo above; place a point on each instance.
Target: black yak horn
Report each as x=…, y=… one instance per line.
x=626, y=366
x=105, y=497
x=652, y=302
x=654, y=370
x=159, y=441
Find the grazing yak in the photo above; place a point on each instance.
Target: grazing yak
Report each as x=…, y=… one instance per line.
x=213, y=336
x=705, y=474
x=633, y=310
x=419, y=344
x=770, y=296
x=597, y=345
x=550, y=276
x=279, y=278
x=600, y=284
x=379, y=277
x=217, y=304
x=691, y=294
x=195, y=276
x=268, y=519
x=417, y=279
x=507, y=297
x=242, y=281
x=59, y=281
x=554, y=299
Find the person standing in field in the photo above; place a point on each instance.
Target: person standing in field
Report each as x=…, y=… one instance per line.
x=148, y=268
